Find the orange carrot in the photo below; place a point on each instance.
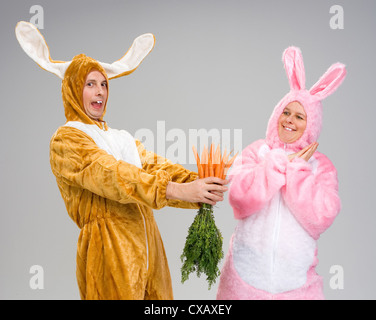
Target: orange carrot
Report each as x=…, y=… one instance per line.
x=199, y=167
x=210, y=162
x=200, y=172
x=223, y=164
x=228, y=165
x=217, y=161
x=195, y=154
x=218, y=155
x=231, y=161
x=204, y=161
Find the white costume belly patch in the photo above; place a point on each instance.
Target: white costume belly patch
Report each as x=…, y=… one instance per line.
x=118, y=143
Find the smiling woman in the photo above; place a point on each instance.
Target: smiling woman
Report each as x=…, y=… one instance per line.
x=292, y=122
x=284, y=194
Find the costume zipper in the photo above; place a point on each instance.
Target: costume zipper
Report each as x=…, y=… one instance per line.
x=146, y=237
x=276, y=232
x=276, y=227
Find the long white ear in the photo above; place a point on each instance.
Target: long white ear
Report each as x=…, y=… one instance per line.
x=140, y=48
x=33, y=43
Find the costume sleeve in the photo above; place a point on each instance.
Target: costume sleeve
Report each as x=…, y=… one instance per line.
x=77, y=160
x=313, y=196
x=153, y=163
x=255, y=180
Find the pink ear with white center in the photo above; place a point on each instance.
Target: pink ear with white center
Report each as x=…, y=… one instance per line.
x=293, y=61
x=329, y=82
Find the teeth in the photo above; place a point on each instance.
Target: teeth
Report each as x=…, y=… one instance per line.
x=288, y=129
x=99, y=101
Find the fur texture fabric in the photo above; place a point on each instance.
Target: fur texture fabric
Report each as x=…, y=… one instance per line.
x=282, y=206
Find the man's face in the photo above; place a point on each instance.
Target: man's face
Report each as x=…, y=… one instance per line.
x=95, y=94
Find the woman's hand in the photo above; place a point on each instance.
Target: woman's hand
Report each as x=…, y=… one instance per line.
x=305, y=153
x=208, y=190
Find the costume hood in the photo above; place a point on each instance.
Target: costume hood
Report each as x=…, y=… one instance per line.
x=309, y=99
x=73, y=73
x=72, y=88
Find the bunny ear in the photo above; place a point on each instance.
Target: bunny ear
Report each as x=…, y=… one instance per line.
x=293, y=61
x=35, y=46
x=33, y=43
x=140, y=48
x=329, y=82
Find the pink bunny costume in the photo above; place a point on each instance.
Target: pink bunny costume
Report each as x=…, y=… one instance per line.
x=282, y=206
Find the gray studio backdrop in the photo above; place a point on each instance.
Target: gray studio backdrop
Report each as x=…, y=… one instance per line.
x=216, y=65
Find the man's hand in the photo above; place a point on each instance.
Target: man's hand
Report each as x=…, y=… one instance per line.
x=208, y=190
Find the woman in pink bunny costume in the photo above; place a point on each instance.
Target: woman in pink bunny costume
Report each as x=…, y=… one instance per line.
x=284, y=194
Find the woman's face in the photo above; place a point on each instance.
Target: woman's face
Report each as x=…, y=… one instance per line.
x=95, y=94
x=292, y=122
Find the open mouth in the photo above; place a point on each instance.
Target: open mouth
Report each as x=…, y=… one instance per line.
x=97, y=104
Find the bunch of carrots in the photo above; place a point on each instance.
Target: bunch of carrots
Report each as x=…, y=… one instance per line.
x=203, y=247
x=212, y=163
